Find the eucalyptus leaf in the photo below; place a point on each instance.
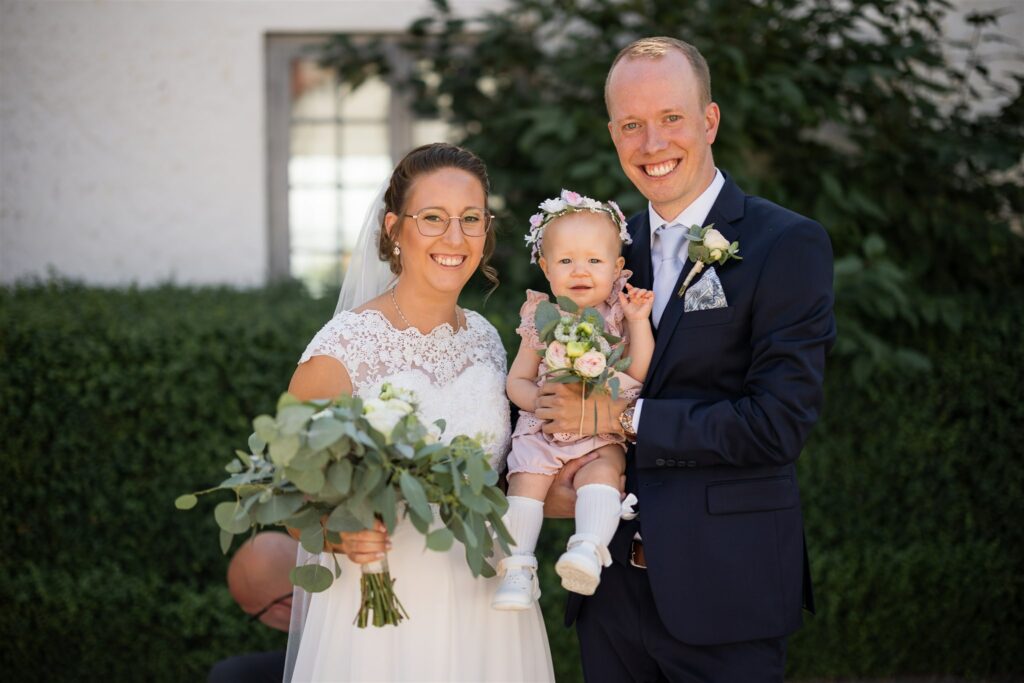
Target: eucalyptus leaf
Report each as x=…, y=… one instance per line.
x=244, y=458
x=287, y=399
x=291, y=419
x=312, y=578
x=371, y=476
x=185, y=502
x=265, y=428
x=462, y=531
x=422, y=524
x=308, y=481
x=498, y=500
x=233, y=467
x=475, y=468
x=386, y=504
x=225, y=541
x=362, y=509
x=284, y=449
x=440, y=539
x=279, y=508
x=228, y=519
x=312, y=539
x=475, y=560
x=340, y=476
x=546, y=316
x=324, y=432
x=414, y=495
x=343, y=520
x=475, y=502
x=256, y=444
x=567, y=304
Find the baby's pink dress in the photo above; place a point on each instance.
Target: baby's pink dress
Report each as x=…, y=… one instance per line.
x=539, y=453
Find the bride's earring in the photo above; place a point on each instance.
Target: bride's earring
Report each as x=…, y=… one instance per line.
x=397, y=251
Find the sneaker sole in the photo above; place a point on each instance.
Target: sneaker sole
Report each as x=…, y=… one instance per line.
x=576, y=578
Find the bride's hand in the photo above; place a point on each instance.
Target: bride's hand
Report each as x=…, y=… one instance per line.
x=363, y=547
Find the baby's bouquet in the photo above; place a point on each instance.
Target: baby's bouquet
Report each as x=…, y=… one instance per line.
x=577, y=349
x=325, y=467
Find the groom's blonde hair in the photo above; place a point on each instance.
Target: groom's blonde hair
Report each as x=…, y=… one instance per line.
x=657, y=47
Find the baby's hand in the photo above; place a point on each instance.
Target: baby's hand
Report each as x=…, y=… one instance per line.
x=636, y=303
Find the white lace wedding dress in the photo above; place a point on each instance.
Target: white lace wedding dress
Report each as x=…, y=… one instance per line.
x=452, y=633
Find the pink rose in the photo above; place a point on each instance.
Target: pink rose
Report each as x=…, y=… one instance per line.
x=556, y=356
x=590, y=364
x=571, y=198
x=536, y=219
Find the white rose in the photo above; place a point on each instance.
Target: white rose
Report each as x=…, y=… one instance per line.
x=384, y=415
x=715, y=240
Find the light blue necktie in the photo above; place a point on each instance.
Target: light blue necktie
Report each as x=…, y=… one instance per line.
x=668, y=263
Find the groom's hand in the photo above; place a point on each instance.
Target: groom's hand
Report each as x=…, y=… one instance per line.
x=562, y=408
x=561, y=499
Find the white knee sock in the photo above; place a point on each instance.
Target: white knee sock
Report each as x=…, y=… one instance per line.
x=523, y=520
x=597, y=511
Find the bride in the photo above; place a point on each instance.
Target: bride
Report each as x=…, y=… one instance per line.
x=408, y=330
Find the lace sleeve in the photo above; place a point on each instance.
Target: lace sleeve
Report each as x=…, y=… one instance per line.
x=527, y=328
x=332, y=341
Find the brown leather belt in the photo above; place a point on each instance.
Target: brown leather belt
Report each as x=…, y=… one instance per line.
x=636, y=555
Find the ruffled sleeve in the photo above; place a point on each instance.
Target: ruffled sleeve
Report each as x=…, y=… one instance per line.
x=527, y=327
x=615, y=316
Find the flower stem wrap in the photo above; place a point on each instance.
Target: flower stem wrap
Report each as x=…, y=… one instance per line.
x=378, y=598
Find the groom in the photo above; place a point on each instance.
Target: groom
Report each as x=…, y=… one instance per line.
x=709, y=580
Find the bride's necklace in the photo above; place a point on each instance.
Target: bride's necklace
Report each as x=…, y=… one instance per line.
x=405, y=320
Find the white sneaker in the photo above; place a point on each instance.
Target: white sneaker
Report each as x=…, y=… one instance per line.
x=519, y=588
x=580, y=568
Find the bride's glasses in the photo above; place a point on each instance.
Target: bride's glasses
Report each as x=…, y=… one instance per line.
x=434, y=222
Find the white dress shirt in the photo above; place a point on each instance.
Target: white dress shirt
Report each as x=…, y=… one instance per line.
x=694, y=214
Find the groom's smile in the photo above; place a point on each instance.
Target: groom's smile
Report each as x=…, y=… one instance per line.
x=661, y=169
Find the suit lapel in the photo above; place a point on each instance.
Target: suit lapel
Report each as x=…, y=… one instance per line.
x=638, y=254
x=725, y=213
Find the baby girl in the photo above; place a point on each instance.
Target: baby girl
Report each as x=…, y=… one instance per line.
x=577, y=241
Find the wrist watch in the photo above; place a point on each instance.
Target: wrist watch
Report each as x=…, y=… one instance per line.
x=626, y=422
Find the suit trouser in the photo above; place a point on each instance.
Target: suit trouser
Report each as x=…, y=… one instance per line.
x=622, y=638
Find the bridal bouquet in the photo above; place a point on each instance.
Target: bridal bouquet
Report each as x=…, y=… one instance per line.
x=325, y=467
x=577, y=349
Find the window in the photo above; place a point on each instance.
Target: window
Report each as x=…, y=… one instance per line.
x=329, y=150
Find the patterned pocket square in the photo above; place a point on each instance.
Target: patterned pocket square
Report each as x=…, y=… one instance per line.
x=705, y=294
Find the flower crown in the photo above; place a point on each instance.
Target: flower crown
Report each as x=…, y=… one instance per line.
x=571, y=202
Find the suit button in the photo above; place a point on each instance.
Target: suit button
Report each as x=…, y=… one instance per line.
x=692, y=463
x=659, y=462
x=670, y=462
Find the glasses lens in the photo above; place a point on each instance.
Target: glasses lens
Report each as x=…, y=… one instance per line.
x=475, y=221
x=432, y=222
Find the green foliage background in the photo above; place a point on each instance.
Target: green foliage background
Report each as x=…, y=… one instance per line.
x=113, y=402
x=117, y=401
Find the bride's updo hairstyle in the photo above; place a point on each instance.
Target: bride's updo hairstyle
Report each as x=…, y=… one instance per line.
x=420, y=161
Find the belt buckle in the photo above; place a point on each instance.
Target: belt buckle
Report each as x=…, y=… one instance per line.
x=637, y=548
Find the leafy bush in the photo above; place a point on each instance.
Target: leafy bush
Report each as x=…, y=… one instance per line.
x=117, y=401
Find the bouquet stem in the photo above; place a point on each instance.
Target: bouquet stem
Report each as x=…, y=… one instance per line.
x=377, y=590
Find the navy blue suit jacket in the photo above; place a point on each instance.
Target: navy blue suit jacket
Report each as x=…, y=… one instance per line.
x=728, y=403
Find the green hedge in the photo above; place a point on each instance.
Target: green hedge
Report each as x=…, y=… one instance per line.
x=116, y=401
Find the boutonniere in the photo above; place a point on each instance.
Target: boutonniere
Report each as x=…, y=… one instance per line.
x=707, y=246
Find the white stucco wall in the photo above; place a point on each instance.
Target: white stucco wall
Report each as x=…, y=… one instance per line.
x=132, y=134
